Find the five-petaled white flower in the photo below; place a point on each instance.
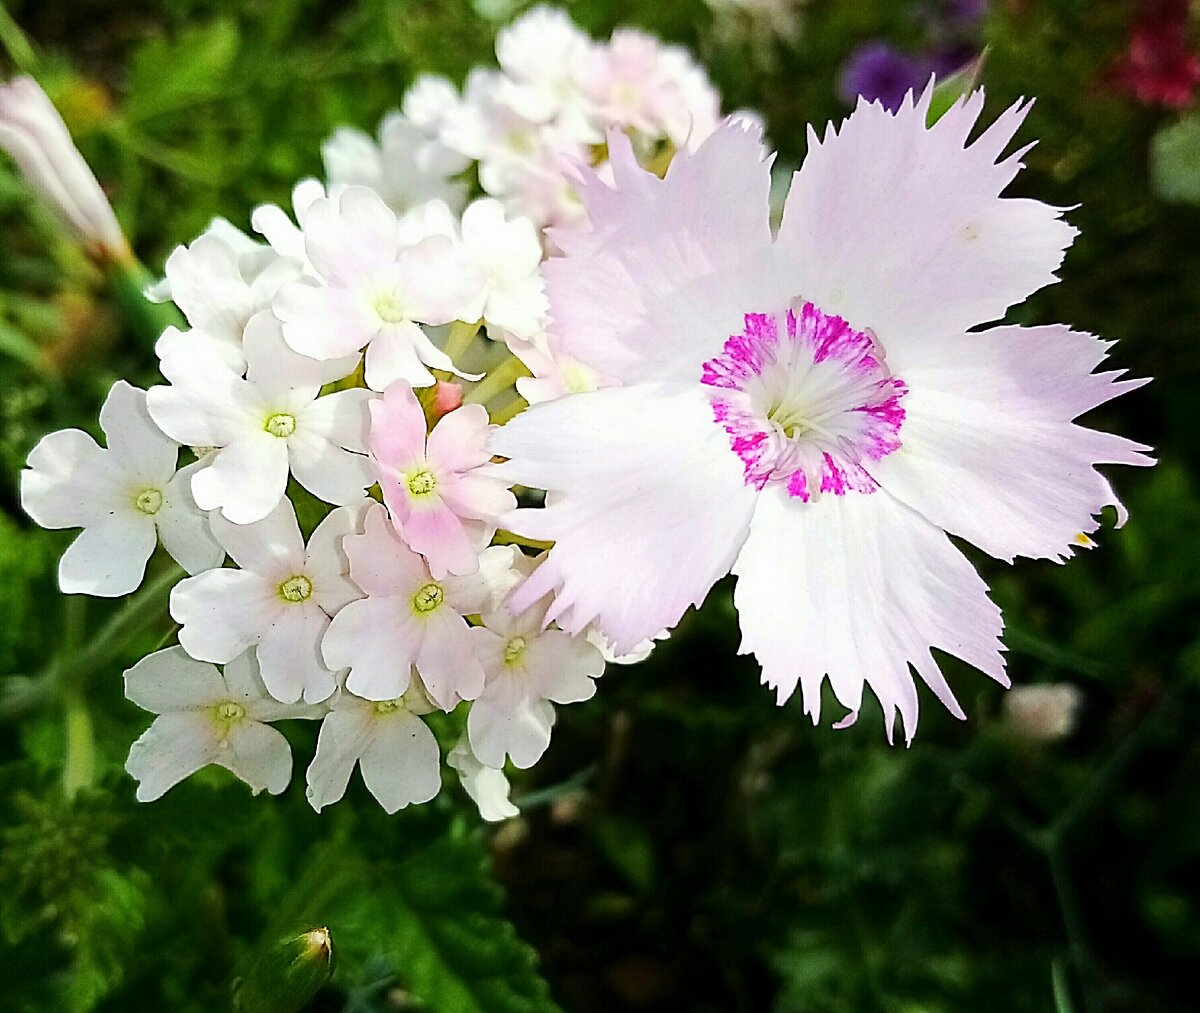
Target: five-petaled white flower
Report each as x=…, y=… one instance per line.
x=125, y=498
x=205, y=716
x=395, y=750
x=814, y=411
x=263, y=426
x=410, y=619
x=280, y=600
x=375, y=290
x=529, y=668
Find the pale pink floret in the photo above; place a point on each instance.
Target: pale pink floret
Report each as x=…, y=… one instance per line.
x=441, y=505
x=408, y=619
x=897, y=239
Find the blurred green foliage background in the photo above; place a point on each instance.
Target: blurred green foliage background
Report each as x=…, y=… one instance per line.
x=685, y=845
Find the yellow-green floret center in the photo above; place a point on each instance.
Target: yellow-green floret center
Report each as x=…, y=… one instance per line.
x=296, y=589
x=429, y=598
x=230, y=712
x=281, y=424
x=149, y=501
x=422, y=483
x=514, y=651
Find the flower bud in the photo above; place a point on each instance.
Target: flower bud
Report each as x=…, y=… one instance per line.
x=34, y=134
x=1043, y=713
x=286, y=977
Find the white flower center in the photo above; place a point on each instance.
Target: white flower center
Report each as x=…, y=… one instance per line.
x=389, y=309
x=389, y=706
x=230, y=712
x=421, y=483
x=428, y=599
x=281, y=424
x=149, y=501
x=514, y=651
x=807, y=401
x=296, y=589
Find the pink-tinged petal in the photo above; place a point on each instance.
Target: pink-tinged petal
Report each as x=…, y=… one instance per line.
x=399, y=352
x=133, y=438
x=223, y=613
x=169, y=680
x=109, y=557
x=563, y=668
x=345, y=733
x=324, y=323
x=331, y=474
x=437, y=281
x=506, y=721
x=211, y=410
x=245, y=686
x=207, y=284
x=275, y=367
x=989, y=451
x=663, y=278
x=71, y=482
x=342, y=418
x=289, y=655
x=484, y=590
x=272, y=547
x=183, y=529
x=183, y=355
x=245, y=480
x=487, y=786
x=397, y=437
x=857, y=588
x=476, y=496
x=378, y=639
x=643, y=468
x=175, y=746
x=402, y=763
x=900, y=228
x=380, y=563
x=447, y=664
x=459, y=441
x=436, y=532
x=350, y=236
x=326, y=562
x=259, y=755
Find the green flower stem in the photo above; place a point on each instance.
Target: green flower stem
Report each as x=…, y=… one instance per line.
x=79, y=768
x=16, y=43
x=508, y=538
x=497, y=381
x=509, y=411
x=461, y=337
x=127, y=281
x=141, y=609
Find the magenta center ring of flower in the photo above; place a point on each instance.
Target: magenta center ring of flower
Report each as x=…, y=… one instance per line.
x=810, y=404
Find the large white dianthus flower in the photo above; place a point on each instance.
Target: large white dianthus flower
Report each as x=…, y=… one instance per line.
x=812, y=410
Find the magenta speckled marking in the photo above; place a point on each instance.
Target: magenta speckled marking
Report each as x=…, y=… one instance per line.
x=858, y=418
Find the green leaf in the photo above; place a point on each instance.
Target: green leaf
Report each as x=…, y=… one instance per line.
x=1062, y=991
x=949, y=90
x=168, y=76
x=1175, y=161
x=19, y=346
x=434, y=919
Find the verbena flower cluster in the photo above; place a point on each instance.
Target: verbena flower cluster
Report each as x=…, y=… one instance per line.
x=813, y=410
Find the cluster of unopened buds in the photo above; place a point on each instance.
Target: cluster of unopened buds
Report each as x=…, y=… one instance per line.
x=813, y=410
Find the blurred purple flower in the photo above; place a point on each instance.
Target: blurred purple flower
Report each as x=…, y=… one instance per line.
x=876, y=70
x=966, y=13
